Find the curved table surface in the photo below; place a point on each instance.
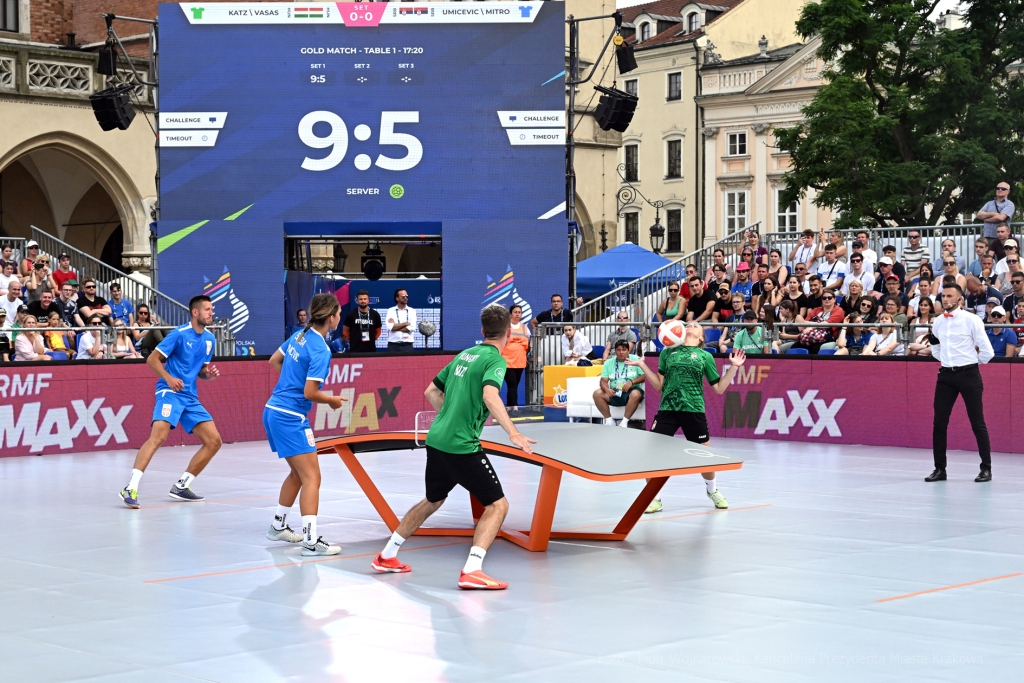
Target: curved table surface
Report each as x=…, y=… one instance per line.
x=598, y=450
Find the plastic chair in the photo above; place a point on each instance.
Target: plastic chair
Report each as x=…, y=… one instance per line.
x=797, y=352
x=711, y=349
x=712, y=335
x=826, y=352
x=78, y=341
x=598, y=350
x=775, y=351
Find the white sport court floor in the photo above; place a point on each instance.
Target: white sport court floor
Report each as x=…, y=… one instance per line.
x=834, y=563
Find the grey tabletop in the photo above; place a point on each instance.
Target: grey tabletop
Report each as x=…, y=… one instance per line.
x=612, y=451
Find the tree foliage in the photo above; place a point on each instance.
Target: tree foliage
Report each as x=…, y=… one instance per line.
x=913, y=125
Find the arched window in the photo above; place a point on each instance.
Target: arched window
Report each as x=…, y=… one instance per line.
x=645, y=32
x=693, y=22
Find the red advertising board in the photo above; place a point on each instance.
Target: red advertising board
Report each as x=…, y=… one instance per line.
x=879, y=403
x=75, y=408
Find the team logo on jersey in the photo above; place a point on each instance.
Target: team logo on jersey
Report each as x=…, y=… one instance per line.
x=498, y=372
x=166, y=410
x=209, y=347
x=693, y=355
x=504, y=288
x=309, y=437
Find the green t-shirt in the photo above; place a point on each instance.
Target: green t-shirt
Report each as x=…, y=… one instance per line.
x=456, y=429
x=618, y=373
x=684, y=369
x=751, y=343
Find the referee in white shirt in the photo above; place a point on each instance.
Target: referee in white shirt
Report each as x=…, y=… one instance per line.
x=960, y=343
x=401, y=321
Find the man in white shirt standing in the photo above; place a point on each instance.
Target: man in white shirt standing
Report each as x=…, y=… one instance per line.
x=832, y=271
x=959, y=342
x=864, y=237
x=401, y=322
x=803, y=252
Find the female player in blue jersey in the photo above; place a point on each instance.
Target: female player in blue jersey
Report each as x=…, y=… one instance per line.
x=303, y=361
x=181, y=357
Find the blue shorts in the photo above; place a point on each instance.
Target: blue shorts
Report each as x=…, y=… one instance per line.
x=288, y=433
x=174, y=408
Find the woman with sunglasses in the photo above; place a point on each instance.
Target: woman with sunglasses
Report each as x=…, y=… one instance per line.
x=145, y=340
x=89, y=346
x=867, y=309
x=949, y=267
x=41, y=280
x=795, y=293
x=672, y=308
x=747, y=256
x=32, y=253
x=1004, y=281
x=776, y=268
x=921, y=330
x=29, y=344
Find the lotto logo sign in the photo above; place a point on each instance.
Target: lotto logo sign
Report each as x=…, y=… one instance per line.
x=166, y=410
x=309, y=437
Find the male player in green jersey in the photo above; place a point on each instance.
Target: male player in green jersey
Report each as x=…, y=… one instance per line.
x=463, y=394
x=680, y=378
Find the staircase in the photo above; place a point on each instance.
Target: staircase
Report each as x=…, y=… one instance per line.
x=167, y=310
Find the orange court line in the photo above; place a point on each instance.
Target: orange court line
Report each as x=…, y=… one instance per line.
x=197, y=502
x=657, y=519
x=292, y=564
x=959, y=585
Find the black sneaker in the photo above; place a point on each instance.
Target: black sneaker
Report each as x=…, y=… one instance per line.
x=185, y=494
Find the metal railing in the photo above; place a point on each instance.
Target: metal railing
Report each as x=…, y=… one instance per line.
x=164, y=308
x=17, y=245
x=224, y=345
x=642, y=296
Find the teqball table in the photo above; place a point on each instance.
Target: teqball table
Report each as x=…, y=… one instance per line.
x=596, y=452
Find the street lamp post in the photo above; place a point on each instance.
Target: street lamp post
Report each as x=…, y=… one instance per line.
x=627, y=195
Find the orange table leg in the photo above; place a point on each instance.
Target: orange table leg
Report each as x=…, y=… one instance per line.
x=636, y=510
x=368, y=487
x=537, y=538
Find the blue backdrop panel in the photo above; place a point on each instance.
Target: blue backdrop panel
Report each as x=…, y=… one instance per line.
x=441, y=85
x=239, y=265
x=476, y=272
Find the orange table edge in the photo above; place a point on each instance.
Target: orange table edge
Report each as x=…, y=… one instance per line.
x=537, y=536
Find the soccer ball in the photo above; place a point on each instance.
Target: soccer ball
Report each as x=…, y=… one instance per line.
x=671, y=333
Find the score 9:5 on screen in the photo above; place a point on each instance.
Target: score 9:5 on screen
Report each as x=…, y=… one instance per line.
x=337, y=141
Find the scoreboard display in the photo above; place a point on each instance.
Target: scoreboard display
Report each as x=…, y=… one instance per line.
x=362, y=112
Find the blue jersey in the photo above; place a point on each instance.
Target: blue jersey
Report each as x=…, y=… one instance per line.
x=304, y=360
x=186, y=353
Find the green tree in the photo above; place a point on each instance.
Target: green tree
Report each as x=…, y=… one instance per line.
x=913, y=125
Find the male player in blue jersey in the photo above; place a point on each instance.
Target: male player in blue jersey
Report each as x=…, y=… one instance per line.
x=183, y=355
x=303, y=361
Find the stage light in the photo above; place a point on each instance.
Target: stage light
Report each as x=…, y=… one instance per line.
x=113, y=107
x=624, y=55
x=615, y=109
x=373, y=262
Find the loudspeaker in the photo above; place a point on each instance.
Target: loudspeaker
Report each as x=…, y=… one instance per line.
x=108, y=62
x=113, y=107
x=615, y=109
x=624, y=55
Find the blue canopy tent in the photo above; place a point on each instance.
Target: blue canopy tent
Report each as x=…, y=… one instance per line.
x=617, y=266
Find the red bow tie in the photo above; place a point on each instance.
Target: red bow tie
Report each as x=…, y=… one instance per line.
x=948, y=315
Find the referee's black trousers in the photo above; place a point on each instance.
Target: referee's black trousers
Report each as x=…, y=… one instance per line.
x=951, y=383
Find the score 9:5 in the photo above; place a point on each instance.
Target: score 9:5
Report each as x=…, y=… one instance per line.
x=337, y=140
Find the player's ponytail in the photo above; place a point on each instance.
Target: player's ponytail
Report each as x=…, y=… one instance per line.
x=321, y=308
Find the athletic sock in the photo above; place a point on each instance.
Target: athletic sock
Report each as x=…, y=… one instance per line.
x=185, y=481
x=279, y=518
x=391, y=549
x=710, y=484
x=133, y=483
x=475, y=561
x=309, y=536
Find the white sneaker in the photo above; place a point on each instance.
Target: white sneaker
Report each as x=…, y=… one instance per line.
x=624, y=423
x=321, y=547
x=610, y=421
x=286, y=534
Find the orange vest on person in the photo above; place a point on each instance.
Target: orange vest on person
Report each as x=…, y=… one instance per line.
x=518, y=346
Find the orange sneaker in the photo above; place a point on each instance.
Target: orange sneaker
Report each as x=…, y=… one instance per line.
x=392, y=566
x=479, y=580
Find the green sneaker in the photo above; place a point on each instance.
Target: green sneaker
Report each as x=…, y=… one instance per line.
x=720, y=502
x=655, y=506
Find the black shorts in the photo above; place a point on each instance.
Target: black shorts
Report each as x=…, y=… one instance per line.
x=694, y=425
x=472, y=472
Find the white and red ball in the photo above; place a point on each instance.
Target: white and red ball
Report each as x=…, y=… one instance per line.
x=671, y=333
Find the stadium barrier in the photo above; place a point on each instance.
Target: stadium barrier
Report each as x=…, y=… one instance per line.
x=875, y=401
x=108, y=405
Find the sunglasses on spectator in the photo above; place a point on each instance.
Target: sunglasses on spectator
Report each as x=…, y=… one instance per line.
x=856, y=260
x=95, y=324
x=914, y=237
x=1010, y=248
x=1016, y=260
x=674, y=290
x=995, y=315
x=866, y=304
x=89, y=287
x=1004, y=189
x=949, y=263
x=801, y=270
x=828, y=298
